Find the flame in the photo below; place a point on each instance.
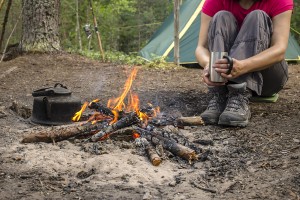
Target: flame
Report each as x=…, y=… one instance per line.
x=97, y=117
x=116, y=116
x=78, y=114
x=94, y=101
x=117, y=105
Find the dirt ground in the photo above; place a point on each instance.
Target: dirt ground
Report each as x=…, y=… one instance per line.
x=260, y=161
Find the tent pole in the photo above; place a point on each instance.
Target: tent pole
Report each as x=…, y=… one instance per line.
x=176, y=31
x=97, y=31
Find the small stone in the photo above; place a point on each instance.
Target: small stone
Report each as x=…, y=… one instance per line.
x=296, y=140
x=172, y=184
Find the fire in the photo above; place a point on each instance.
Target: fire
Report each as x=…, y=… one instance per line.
x=78, y=114
x=135, y=135
x=118, y=105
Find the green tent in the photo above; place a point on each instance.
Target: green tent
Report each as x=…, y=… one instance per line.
x=162, y=42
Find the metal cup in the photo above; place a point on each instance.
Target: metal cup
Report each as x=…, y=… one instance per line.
x=214, y=76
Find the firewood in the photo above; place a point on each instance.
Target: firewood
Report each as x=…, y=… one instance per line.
x=55, y=134
x=124, y=134
x=190, y=121
x=153, y=157
x=101, y=109
x=168, y=144
x=124, y=122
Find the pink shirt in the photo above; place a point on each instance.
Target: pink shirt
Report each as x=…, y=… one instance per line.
x=271, y=7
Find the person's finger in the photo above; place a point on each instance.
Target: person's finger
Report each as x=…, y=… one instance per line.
x=221, y=61
x=227, y=76
x=209, y=83
x=221, y=70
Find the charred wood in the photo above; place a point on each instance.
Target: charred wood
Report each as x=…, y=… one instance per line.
x=101, y=109
x=124, y=134
x=175, y=148
x=204, y=142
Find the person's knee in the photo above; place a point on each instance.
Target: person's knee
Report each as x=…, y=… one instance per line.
x=223, y=15
x=256, y=15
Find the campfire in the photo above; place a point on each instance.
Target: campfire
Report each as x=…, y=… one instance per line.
x=124, y=116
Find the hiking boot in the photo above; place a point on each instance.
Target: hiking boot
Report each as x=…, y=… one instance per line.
x=237, y=111
x=216, y=105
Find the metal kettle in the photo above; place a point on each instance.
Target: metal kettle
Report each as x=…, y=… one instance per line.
x=54, y=105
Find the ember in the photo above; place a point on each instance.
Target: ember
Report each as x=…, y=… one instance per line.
x=118, y=117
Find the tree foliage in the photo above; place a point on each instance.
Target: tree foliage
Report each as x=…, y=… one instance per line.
x=124, y=25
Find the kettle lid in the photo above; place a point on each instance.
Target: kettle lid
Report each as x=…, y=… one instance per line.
x=58, y=90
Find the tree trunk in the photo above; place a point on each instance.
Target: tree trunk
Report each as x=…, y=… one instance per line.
x=41, y=25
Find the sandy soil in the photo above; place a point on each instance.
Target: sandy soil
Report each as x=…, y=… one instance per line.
x=260, y=161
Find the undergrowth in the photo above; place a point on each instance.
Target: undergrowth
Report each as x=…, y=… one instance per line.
x=128, y=59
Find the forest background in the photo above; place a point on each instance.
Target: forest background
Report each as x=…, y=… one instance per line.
x=125, y=26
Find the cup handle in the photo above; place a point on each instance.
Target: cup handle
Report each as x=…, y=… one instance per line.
x=230, y=61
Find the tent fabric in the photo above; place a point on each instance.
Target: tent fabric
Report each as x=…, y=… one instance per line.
x=162, y=41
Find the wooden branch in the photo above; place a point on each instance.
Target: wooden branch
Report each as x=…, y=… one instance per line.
x=190, y=121
x=97, y=31
x=62, y=133
x=153, y=156
x=78, y=26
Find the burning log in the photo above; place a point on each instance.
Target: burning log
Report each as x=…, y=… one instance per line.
x=62, y=133
x=168, y=144
x=128, y=120
x=190, y=121
x=101, y=109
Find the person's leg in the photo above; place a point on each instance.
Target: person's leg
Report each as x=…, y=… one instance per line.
x=274, y=78
x=222, y=31
x=253, y=38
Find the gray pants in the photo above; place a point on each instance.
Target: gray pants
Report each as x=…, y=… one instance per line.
x=252, y=38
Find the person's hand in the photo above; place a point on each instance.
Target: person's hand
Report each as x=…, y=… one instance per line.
x=222, y=66
x=205, y=78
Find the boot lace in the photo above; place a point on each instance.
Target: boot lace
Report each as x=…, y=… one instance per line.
x=236, y=101
x=215, y=101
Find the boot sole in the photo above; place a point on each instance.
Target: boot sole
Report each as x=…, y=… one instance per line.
x=234, y=123
x=210, y=121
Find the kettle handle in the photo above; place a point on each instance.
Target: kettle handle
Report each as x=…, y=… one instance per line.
x=61, y=85
x=43, y=92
